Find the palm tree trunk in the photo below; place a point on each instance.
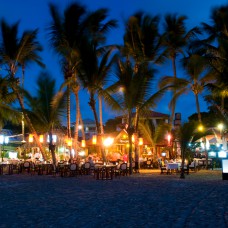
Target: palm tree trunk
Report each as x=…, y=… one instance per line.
x=174, y=103
x=28, y=121
x=182, y=176
x=136, y=140
x=92, y=104
x=198, y=108
x=101, y=118
x=76, y=124
x=82, y=124
x=52, y=149
x=200, y=121
x=222, y=102
x=130, y=131
x=68, y=119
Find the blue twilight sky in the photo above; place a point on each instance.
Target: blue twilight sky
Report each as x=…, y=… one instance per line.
x=35, y=14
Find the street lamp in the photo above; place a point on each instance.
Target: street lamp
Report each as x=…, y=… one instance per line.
x=107, y=143
x=201, y=128
x=3, y=141
x=220, y=127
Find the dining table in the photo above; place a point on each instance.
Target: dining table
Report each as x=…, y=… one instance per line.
x=6, y=168
x=104, y=172
x=171, y=167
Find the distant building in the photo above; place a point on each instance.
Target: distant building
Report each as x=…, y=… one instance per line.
x=156, y=118
x=89, y=128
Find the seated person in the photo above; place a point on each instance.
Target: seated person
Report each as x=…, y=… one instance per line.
x=90, y=160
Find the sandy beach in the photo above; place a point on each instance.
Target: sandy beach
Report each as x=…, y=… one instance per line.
x=148, y=199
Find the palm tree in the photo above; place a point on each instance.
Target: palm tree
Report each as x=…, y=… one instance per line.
x=198, y=76
x=65, y=37
x=174, y=40
x=185, y=134
x=216, y=46
x=93, y=75
x=142, y=39
x=75, y=87
x=7, y=98
x=152, y=134
x=142, y=43
x=47, y=108
x=16, y=52
x=68, y=37
x=95, y=63
x=131, y=91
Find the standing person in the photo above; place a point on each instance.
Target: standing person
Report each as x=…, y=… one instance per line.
x=125, y=158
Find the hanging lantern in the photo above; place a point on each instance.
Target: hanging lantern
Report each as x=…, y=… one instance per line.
x=69, y=142
x=30, y=138
x=140, y=141
x=169, y=138
x=83, y=143
x=94, y=139
x=41, y=138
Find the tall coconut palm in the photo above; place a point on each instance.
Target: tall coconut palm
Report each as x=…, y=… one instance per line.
x=133, y=90
x=95, y=66
x=198, y=76
x=216, y=46
x=47, y=108
x=17, y=51
x=75, y=87
x=7, y=98
x=174, y=40
x=142, y=39
x=93, y=75
x=142, y=43
x=185, y=134
x=152, y=134
x=65, y=37
x=75, y=30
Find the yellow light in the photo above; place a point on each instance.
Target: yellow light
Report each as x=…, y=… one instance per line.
x=108, y=141
x=94, y=140
x=140, y=141
x=41, y=138
x=169, y=138
x=220, y=126
x=133, y=138
x=83, y=143
x=69, y=142
x=200, y=128
x=30, y=138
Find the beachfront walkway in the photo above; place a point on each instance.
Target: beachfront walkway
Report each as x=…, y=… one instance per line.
x=141, y=200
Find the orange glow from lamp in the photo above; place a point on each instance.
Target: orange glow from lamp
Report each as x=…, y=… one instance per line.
x=83, y=143
x=41, y=138
x=140, y=141
x=169, y=138
x=94, y=140
x=69, y=142
x=133, y=138
x=30, y=138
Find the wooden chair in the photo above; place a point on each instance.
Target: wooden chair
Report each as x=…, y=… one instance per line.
x=210, y=164
x=73, y=170
x=149, y=164
x=87, y=168
x=186, y=169
x=26, y=166
x=192, y=166
x=123, y=169
x=201, y=163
